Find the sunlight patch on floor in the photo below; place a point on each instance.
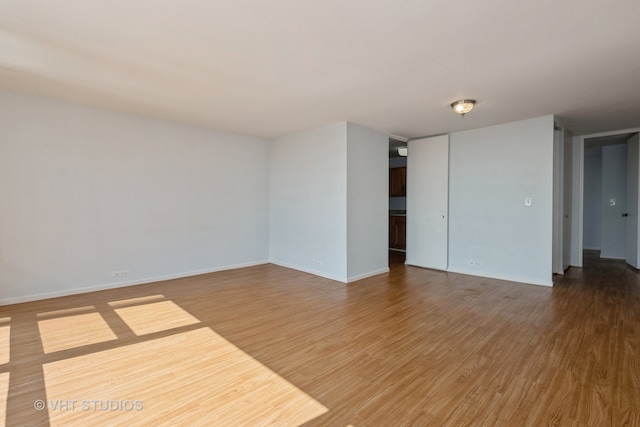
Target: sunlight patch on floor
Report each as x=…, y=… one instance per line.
x=5, y=337
x=63, y=333
x=193, y=377
x=155, y=317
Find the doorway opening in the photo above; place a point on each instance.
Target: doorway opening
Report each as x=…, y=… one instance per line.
x=397, y=201
x=610, y=198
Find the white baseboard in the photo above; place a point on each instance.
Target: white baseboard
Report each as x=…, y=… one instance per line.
x=311, y=271
x=330, y=276
x=607, y=256
x=365, y=275
x=67, y=292
x=525, y=280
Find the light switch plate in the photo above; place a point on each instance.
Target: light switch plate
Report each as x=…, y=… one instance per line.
x=527, y=201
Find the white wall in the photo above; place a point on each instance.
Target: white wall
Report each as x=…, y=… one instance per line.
x=308, y=201
x=492, y=170
x=86, y=191
x=367, y=202
x=592, y=216
x=614, y=186
x=329, y=202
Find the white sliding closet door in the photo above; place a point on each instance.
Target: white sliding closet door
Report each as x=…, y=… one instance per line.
x=427, y=202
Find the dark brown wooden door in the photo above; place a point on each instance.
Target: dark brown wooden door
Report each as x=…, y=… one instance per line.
x=398, y=232
x=398, y=182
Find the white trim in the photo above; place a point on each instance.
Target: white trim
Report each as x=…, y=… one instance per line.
x=606, y=256
x=365, y=275
x=518, y=279
x=310, y=271
x=577, y=202
x=66, y=292
x=411, y=264
x=610, y=133
x=331, y=276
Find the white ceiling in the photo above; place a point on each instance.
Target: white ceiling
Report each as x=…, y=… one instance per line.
x=273, y=67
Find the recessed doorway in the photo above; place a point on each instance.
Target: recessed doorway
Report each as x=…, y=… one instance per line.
x=610, y=196
x=397, y=201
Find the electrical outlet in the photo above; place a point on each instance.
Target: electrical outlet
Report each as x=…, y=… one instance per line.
x=317, y=262
x=120, y=273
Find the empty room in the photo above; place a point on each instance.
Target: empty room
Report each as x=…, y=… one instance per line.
x=326, y=213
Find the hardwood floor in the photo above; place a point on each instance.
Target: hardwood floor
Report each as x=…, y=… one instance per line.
x=268, y=345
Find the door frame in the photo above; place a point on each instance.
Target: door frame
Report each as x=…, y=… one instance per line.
x=577, y=223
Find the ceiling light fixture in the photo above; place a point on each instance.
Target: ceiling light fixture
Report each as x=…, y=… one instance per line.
x=402, y=151
x=463, y=106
